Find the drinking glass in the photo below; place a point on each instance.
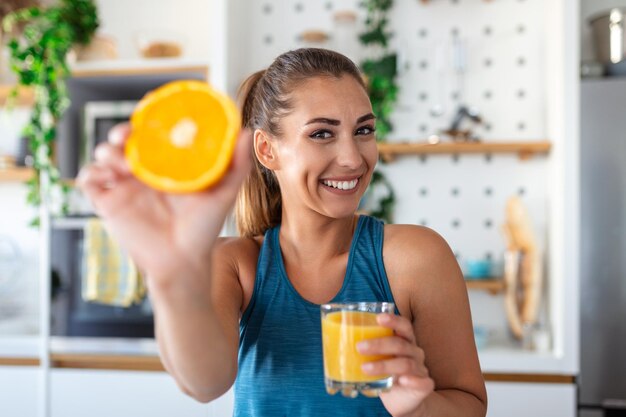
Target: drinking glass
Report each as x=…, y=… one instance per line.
x=344, y=325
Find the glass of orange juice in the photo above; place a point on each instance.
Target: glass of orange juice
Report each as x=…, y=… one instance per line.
x=343, y=326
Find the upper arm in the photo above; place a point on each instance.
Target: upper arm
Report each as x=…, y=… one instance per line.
x=233, y=266
x=422, y=263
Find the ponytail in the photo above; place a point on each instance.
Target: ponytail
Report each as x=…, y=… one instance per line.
x=258, y=205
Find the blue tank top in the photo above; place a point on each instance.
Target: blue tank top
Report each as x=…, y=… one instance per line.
x=280, y=348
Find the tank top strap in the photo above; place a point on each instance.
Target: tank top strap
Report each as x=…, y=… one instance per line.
x=267, y=273
x=368, y=258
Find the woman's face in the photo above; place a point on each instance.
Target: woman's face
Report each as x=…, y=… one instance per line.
x=326, y=151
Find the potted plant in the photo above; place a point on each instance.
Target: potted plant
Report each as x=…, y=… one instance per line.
x=39, y=41
x=7, y=7
x=380, y=73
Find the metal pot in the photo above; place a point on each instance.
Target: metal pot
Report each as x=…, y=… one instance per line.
x=609, y=35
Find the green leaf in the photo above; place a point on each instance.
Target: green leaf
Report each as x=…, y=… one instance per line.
x=38, y=56
x=385, y=67
x=373, y=37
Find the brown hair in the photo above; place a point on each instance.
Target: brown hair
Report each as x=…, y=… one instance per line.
x=264, y=100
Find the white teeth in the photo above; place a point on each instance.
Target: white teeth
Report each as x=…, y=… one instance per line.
x=342, y=185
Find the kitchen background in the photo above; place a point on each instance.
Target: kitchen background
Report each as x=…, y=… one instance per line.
x=493, y=64
x=515, y=62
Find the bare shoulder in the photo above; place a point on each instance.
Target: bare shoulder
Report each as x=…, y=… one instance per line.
x=236, y=249
x=419, y=264
x=235, y=259
x=414, y=246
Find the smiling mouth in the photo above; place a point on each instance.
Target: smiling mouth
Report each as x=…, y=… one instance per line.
x=342, y=185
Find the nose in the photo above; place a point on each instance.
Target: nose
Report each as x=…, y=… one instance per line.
x=349, y=153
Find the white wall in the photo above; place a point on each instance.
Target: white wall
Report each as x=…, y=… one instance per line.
x=189, y=19
x=18, y=287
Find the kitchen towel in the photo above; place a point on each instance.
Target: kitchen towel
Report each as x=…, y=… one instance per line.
x=109, y=275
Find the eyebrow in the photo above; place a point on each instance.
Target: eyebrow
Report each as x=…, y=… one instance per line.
x=335, y=122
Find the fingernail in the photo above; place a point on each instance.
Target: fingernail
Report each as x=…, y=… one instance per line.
x=404, y=380
x=362, y=346
x=115, y=137
x=383, y=318
x=99, y=152
x=367, y=367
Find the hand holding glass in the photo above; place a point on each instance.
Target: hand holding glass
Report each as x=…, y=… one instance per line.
x=343, y=327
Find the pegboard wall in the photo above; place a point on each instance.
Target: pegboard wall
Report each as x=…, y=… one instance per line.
x=496, y=67
x=488, y=55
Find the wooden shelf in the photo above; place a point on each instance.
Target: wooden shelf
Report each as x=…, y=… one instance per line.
x=115, y=362
x=25, y=96
x=17, y=174
x=114, y=68
x=525, y=150
x=493, y=286
x=152, y=363
x=156, y=66
x=70, y=223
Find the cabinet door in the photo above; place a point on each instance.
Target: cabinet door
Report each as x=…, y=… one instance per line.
x=80, y=393
x=18, y=391
x=537, y=400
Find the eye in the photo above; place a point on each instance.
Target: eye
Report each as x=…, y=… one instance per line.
x=365, y=130
x=321, y=134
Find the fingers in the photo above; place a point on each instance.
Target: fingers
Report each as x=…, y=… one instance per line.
x=418, y=383
x=400, y=325
x=108, y=169
x=392, y=345
x=94, y=181
x=396, y=366
x=407, y=361
x=112, y=156
x=118, y=134
x=96, y=176
x=110, y=166
x=110, y=163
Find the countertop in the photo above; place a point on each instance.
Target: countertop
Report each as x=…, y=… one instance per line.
x=498, y=363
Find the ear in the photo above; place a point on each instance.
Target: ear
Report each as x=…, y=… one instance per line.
x=265, y=150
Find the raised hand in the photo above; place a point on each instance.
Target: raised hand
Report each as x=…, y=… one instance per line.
x=164, y=233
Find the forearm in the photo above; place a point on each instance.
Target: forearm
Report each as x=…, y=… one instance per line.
x=451, y=403
x=194, y=346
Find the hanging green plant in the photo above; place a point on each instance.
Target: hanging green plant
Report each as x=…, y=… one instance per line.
x=40, y=39
x=380, y=71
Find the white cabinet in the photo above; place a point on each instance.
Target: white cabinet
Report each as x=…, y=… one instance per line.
x=538, y=400
x=18, y=391
x=95, y=393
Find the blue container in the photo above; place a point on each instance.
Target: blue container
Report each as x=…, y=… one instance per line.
x=481, y=337
x=478, y=269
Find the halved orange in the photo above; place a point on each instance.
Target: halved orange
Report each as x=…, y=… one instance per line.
x=183, y=137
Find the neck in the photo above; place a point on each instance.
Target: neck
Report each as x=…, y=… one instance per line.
x=315, y=236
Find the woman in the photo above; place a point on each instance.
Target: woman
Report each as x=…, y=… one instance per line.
x=246, y=310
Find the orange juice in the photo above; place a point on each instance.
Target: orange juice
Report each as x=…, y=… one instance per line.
x=341, y=331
